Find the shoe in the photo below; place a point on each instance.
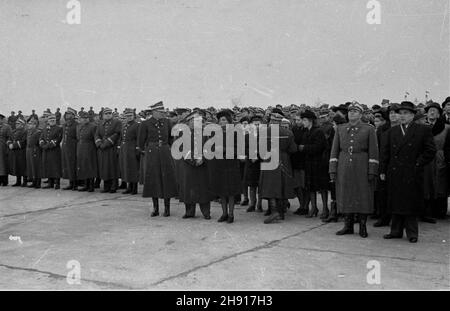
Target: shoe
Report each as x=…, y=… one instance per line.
x=223, y=218
x=381, y=223
x=390, y=236
x=362, y=226
x=268, y=212
x=166, y=212
x=230, y=219
x=413, y=240
x=348, y=226
x=187, y=216
x=325, y=213
x=274, y=217
x=154, y=213
x=207, y=217
x=250, y=209
x=313, y=213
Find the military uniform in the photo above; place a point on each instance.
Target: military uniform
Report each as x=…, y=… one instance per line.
x=106, y=138
x=34, y=157
x=86, y=155
x=17, y=156
x=129, y=155
x=69, y=153
x=5, y=135
x=51, y=155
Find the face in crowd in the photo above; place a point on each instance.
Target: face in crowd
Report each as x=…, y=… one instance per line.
x=354, y=115
x=107, y=115
x=406, y=116
x=433, y=113
x=393, y=116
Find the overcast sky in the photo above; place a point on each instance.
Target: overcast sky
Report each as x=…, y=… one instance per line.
x=215, y=52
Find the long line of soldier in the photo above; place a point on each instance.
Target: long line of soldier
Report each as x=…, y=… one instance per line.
x=396, y=170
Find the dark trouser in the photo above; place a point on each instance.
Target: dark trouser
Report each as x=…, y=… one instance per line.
x=205, y=208
x=407, y=222
x=381, y=203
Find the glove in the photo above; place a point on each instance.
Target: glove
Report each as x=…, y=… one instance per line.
x=11, y=146
x=333, y=177
x=98, y=143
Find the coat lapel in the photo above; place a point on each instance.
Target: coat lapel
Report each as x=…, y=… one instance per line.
x=408, y=137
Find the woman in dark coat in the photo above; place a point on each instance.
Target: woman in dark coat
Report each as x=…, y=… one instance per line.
x=194, y=177
x=278, y=185
x=86, y=152
x=17, y=156
x=225, y=175
x=129, y=153
x=34, y=153
x=252, y=170
x=314, y=145
x=51, y=155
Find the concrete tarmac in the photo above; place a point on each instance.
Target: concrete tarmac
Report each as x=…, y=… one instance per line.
x=113, y=243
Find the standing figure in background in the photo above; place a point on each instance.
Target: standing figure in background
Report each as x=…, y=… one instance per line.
x=106, y=139
x=69, y=149
x=86, y=152
x=17, y=156
x=50, y=140
x=129, y=153
x=34, y=153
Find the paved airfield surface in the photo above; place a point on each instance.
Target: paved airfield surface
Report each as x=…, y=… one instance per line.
x=118, y=246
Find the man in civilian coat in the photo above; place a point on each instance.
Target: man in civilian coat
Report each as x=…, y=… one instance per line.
x=154, y=140
x=51, y=155
x=106, y=139
x=406, y=149
x=129, y=154
x=69, y=149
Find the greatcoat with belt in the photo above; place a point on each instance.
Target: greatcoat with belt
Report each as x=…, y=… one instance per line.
x=107, y=136
x=129, y=153
x=69, y=150
x=17, y=156
x=51, y=155
x=354, y=156
x=33, y=153
x=155, y=138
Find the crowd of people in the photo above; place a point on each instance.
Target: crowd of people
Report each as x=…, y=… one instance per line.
x=390, y=162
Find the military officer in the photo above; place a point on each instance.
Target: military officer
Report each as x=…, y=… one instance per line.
x=17, y=157
x=51, y=155
x=5, y=135
x=86, y=152
x=355, y=149
x=106, y=138
x=69, y=149
x=155, y=139
x=129, y=153
x=34, y=153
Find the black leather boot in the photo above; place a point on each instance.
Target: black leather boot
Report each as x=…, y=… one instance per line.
x=275, y=212
x=134, y=188
x=333, y=213
x=97, y=183
x=57, y=183
x=252, y=206
x=85, y=187
x=362, y=225
x=114, y=183
x=155, y=207
x=129, y=190
x=91, y=183
x=33, y=184
x=18, y=181
x=348, y=226
x=50, y=185
x=25, y=182
x=166, y=208
x=123, y=185
x=106, y=186
x=38, y=183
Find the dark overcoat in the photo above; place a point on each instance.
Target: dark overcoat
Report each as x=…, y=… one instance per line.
x=159, y=170
x=280, y=182
x=252, y=167
x=354, y=156
x=403, y=158
x=129, y=154
x=5, y=135
x=18, y=155
x=50, y=141
x=69, y=150
x=107, y=137
x=34, y=154
x=316, y=159
x=86, y=151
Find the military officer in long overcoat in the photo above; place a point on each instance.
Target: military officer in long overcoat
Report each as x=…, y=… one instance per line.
x=50, y=140
x=406, y=149
x=5, y=135
x=154, y=140
x=17, y=153
x=69, y=149
x=86, y=152
x=34, y=153
x=129, y=153
x=354, y=168
x=107, y=138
